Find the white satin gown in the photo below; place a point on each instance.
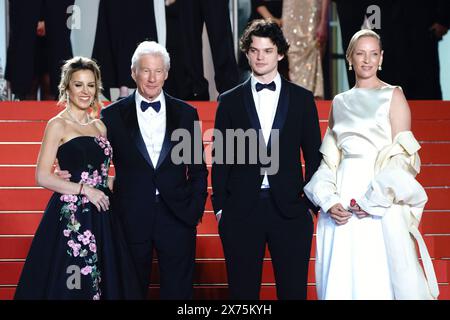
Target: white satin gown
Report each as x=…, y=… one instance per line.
x=351, y=261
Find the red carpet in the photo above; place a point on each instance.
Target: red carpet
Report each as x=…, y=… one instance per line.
x=22, y=203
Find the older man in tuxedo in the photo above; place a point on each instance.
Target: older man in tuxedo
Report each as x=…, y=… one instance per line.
x=159, y=199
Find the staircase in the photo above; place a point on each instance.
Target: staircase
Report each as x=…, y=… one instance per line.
x=22, y=202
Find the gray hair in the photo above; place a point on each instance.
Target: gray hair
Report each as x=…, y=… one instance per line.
x=153, y=48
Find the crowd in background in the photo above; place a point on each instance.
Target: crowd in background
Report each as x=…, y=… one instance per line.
x=39, y=43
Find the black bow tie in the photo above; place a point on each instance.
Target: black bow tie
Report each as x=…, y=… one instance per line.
x=155, y=105
x=271, y=86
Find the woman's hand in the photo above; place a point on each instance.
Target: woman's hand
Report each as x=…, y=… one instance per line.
x=97, y=197
x=339, y=214
x=322, y=36
x=354, y=207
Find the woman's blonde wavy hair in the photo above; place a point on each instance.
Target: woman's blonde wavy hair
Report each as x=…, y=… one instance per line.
x=69, y=68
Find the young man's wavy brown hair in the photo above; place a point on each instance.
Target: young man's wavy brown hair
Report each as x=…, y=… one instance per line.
x=264, y=29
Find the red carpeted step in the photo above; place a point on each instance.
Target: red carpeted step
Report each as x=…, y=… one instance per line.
x=32, y=131
x=211, y=292
x=16, y=247
x=16, y=223
x=24, y=176
x=430, y=109
x=208, y=246
x=435, y=222
x=19, y=223
x=24, y=199
x=44, y=110
x=28, y=110
x=434, y=175
x=26, y=223
x=437, y=198
x=19, y=131
x=26, y=153
x=431, y=130
x=220, y=292
x=435, y=153
x=19, y=153
x=36, y=199
x=438, y=245
x=17, y=176
x=37, y=110
x=206, y=272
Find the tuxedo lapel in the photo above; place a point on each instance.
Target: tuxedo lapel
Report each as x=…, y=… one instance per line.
x=250, y=105
x=282, y=108
x=129, y=117
x=170, y=126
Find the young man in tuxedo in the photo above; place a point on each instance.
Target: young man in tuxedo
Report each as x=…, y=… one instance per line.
x=159, y=199
x=256, y=206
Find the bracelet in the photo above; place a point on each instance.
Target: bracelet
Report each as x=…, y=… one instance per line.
x=81, y=188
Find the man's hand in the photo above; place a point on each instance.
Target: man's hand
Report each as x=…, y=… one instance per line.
x=439, y=30
x=278, y=21
x=62, y=174
x=339, y=214
x=40, y=30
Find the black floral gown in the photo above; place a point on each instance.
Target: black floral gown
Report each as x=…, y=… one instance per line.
x=77, y=251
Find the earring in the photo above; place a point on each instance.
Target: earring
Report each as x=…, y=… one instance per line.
x=379, y=67
x=350, y=67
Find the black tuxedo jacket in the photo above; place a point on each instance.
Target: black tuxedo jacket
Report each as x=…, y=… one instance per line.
x=183, y=187
x=236, y=187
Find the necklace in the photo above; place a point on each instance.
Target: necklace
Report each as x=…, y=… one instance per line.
x=78, y=121
x=379, y=85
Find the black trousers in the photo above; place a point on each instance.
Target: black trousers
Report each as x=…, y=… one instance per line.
x=20, y=64
x=244, y=243
x=174, y=243
x=215, y=15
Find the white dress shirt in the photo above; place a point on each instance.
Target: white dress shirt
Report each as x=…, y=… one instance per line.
x=152, y=125
x=266, y=102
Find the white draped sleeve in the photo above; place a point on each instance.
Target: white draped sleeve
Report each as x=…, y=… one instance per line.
x=321, y=189
x=395, y=194
x=394, y=181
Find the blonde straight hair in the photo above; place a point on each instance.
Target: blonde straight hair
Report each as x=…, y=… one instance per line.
x=357, y=36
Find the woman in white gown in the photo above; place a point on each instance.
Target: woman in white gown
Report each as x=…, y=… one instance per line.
x=364, y=248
